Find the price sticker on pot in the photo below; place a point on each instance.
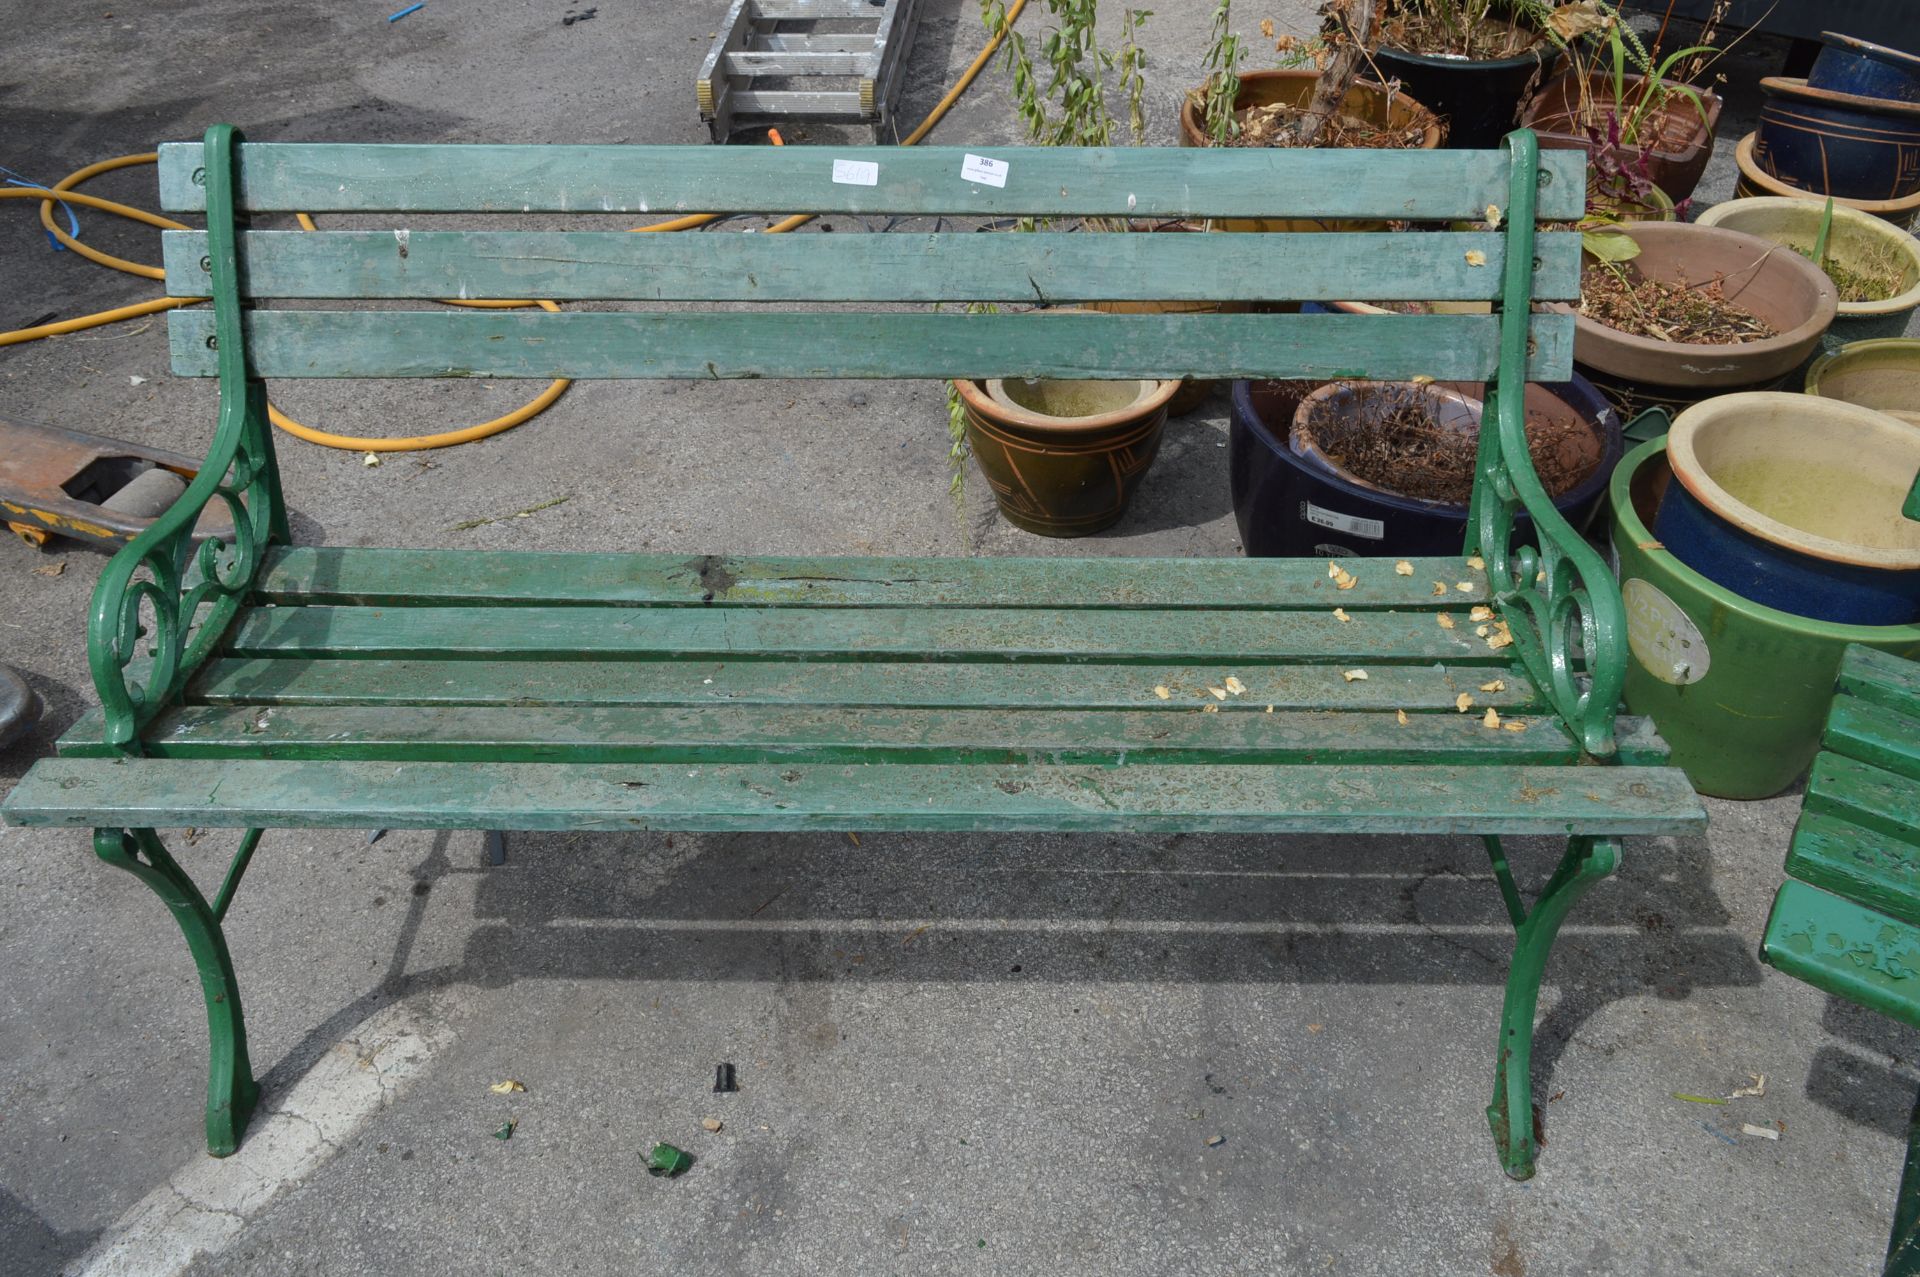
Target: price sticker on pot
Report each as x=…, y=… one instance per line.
x=987, y=172
x=1664, y=639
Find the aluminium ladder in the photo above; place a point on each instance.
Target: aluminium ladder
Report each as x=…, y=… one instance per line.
x=781, y=61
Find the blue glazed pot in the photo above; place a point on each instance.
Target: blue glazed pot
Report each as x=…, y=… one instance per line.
x=1289, y=506
x=1859, y=67
x=1815, y=528
x=1838, y=144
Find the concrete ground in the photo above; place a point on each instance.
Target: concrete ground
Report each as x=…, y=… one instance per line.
x=955, y=1054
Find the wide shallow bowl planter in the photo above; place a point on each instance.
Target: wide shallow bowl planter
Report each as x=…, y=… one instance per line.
x=1865, y=69
x=1856, y=241
x=1065, y=457
x=1739, y=691
x=1676, y=141
x=1477, y=101
x=1883, y=375
x=1781, y=287
x=1839, y=143
x=1287, y=505
x=1794, y=501
x=1365, y=100
x=1754, y=181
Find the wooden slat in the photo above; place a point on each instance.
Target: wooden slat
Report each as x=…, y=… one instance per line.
x=428, y=578
x=1845, y=949
x=952, y=634
x=1047, y=267
x=1873, y=734
x=464, y=343
x=1881, y=678
x=1866, y=795
x=765, y=798
x=752, y=734
x=242, y=681
x=1041, y=181
x=1869, y=866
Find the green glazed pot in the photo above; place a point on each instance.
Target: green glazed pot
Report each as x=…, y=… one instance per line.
x=1739, y=691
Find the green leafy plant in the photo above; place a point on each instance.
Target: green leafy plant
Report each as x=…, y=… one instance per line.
x=1066, y=104
x=1222, y=89
x=1602, y=46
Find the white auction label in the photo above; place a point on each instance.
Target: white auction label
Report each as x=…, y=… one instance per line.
x=987, y=172
x=1663, y=637
x=856, y=172
x=1352, y=524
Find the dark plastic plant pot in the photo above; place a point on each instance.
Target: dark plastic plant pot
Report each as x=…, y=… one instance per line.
x=1793, y=501
x=19, y=706
x=1478, y=102
x=1289, y=506
x=1865, y=69
x=1676, y=142
x=1839, y=143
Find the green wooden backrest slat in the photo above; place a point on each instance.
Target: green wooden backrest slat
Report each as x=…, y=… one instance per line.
x=638, y=181
x=734, y=344
x=1042, y=267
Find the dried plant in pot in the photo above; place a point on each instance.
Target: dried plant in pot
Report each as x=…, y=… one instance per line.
x=1472, y=62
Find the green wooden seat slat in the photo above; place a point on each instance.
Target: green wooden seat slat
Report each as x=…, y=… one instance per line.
x=222, y=793
x=1887, y=738
x=756, y=733
x=1869, y=796
x=878, y=683
x=1881, y=678
x=861, y=344
x=1845, y=949
x=1869, y=866
x=995, y=635
x=1041, y=267
x=1057, y=181
x=304, y=574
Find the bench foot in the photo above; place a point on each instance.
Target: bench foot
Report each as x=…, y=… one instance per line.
x=1586, y=862
x=231, y=1090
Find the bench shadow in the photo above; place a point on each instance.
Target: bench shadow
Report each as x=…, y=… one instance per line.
x=1087, y=908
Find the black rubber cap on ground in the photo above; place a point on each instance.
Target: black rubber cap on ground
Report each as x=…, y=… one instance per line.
x=19, y=707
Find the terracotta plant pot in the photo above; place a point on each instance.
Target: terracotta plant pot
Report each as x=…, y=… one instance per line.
x=1676, y=142
x=1365, y=100
x=1755, y=180
x=1064, y=457
x=1855, y=241
x=1839, y=143
x=1477, y=101
x=1882, y=375
x=1781, y=287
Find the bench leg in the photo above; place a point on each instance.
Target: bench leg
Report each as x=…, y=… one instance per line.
x=1903, y=1248
x=1586, y=862
x=231, y=1090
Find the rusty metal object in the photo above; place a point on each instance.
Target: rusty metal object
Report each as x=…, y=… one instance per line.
x=59, y=482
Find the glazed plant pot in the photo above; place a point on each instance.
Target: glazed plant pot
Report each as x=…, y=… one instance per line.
x=1781, y=287
x=1365, y=100
x=1064, y=457
x=1674, y=139
x=1867, y=70
x=1839, y=143
x=1857, y=242
x=1882, y=375
x=1754, y=181
x=1477, y=101
x=1288, y=505
x=1739, y=691
x=1793, y=501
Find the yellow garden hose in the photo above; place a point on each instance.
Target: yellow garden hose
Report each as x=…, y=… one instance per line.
x=63, y=192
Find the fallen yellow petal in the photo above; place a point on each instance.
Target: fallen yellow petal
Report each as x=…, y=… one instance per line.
x=1401, y=715
x=1480, y=612
x=1477, y=563
x=1439, y=589
x=1269, y=709
x=1500, y=640
x=1465, y=587
x=1492, y=721
x=1493, y=217
x=1513, y=725
x=1495, y=686
x=1404, y=568
x=1476, y=258
x=1333, y=570
x=1353, y=676
x=1163, y=693
x=1463, y=702
x=1423, y=380
x=1209, y=708
x=507, y=1087
x=1219, y=693
x=1346, y=582
x=1340, y=615
x=1446, y=622
x=1482, y=630
x=1235, y=686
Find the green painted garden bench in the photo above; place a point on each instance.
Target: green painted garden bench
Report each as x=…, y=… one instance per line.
x=1847, y=920
x=256, y=684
